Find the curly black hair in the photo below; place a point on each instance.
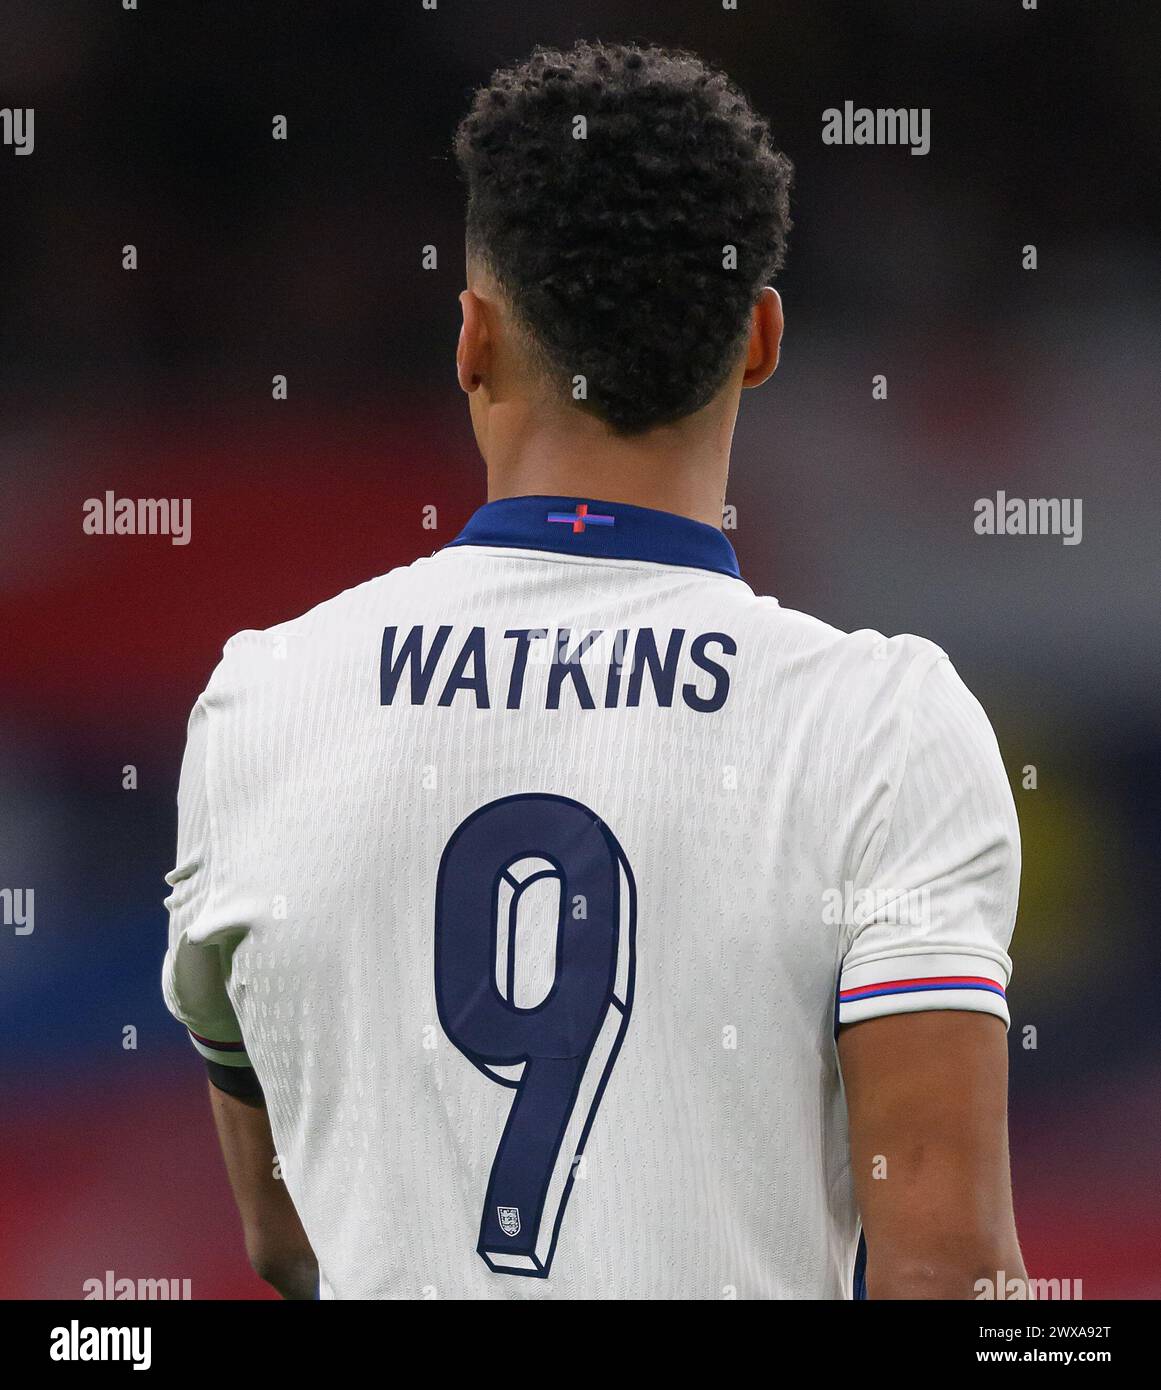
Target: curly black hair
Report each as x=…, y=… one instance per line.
x=612, y=249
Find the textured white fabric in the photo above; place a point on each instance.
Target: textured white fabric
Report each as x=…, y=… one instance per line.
x=771, y=844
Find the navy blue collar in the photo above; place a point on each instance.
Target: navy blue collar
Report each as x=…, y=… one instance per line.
x=600, y=530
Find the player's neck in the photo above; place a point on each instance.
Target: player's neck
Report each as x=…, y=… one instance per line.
x=680, y=469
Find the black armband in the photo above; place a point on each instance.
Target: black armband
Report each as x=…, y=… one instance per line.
x=240, y=1082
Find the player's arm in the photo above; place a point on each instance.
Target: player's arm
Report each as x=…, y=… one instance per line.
x=203, y=933
x=927, y=1095
x=277, y=1245
x=923, y=1009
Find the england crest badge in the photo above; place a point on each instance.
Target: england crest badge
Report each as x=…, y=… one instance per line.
x=509, y=1220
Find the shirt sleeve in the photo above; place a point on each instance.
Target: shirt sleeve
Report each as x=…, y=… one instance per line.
x=933, y=919
x=197, y=961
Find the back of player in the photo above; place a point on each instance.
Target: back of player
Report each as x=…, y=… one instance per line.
x=521, y=893
x=527, y=877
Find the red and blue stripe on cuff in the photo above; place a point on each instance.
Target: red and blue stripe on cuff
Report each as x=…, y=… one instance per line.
x=881, y=987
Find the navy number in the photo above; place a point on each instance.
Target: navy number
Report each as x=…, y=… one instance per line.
x=558, y=1054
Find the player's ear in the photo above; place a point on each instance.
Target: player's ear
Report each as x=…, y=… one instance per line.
x=765, y=338
x=472, y=349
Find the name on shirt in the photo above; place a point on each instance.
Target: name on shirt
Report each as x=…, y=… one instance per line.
x=556, y=668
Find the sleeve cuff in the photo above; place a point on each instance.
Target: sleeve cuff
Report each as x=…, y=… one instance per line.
x=225, y=1054
x=914, y=983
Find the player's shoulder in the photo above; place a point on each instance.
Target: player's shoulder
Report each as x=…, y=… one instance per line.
x=862, y=667
x=867, y=697
x=261, y=656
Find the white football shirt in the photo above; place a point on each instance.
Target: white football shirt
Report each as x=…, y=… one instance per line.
x=530, y=877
